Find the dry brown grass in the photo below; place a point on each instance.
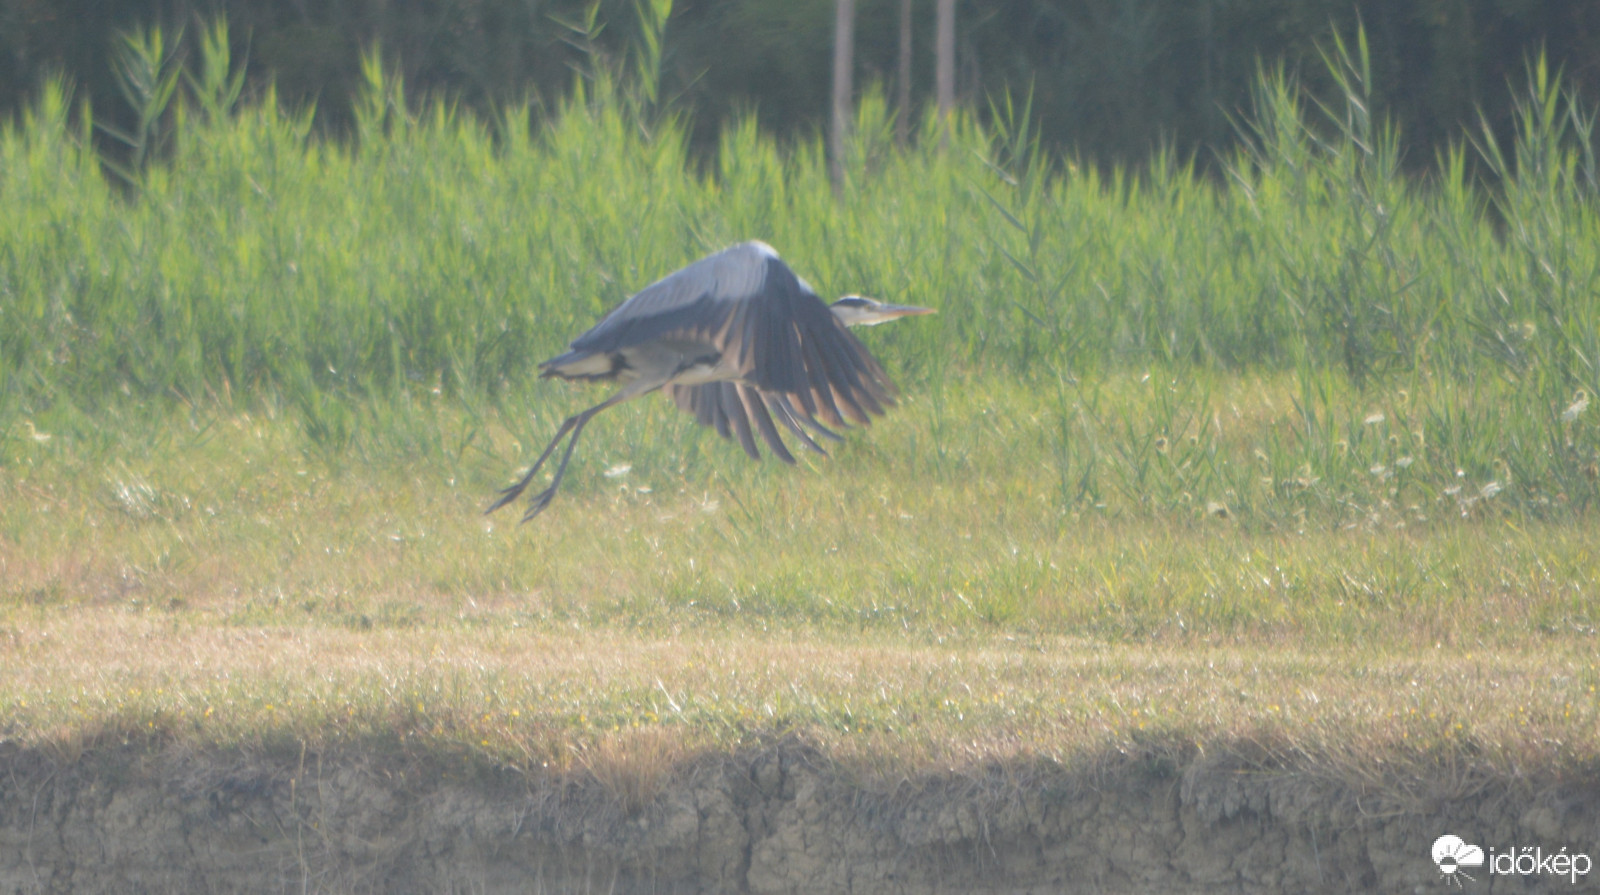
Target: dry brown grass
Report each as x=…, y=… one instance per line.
x=626, y=706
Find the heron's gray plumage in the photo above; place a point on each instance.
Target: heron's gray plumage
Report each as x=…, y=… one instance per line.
x=763, y=323
x=741, y=342
x=716, y=404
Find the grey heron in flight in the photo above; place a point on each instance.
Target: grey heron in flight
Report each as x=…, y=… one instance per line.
x=738, y=340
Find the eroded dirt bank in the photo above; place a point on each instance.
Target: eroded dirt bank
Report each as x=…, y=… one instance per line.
x=780, y=819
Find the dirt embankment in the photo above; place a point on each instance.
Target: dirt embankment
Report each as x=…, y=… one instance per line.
x=780, y=819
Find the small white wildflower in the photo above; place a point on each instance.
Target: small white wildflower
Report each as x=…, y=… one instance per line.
x=1580, y=403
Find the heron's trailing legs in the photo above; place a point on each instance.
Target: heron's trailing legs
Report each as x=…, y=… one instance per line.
x=573, y=424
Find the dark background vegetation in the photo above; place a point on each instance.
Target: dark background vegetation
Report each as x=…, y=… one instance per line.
x=1111, y=78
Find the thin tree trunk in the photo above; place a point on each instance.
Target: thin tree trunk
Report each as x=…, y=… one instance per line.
x=902, y=122
x=843, y=55
x=944, y=48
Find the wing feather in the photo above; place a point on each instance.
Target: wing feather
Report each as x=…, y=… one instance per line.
x=821, y=389
x=843, y=380
x=719, y=413
x=733, y=410
x=784, y=412
x=756, y=409
x=865, y=386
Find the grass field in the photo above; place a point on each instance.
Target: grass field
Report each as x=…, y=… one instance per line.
x=1302, y=458
x=219, y=587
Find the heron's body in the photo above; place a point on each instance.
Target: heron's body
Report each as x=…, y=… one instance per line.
x=684, y=360
x=738, y=340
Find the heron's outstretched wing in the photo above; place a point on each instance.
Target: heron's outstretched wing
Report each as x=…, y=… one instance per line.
x=700, y=296
x=731, y=408
x=769, y=326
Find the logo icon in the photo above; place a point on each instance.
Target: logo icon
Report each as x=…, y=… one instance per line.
x=1452, y=855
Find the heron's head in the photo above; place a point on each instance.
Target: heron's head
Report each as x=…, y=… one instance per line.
x=858, y=310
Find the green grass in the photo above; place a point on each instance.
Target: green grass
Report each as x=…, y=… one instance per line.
x=264, y=271
x=224, y=514
x=1303, y=458
x=215, y=586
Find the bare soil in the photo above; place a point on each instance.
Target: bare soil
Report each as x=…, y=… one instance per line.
x=779, y=819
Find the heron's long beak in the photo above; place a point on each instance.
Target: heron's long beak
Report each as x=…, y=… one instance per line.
x=886, y=311
x=856, y=310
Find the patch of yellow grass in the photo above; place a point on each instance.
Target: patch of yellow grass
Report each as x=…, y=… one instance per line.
x=600, y=699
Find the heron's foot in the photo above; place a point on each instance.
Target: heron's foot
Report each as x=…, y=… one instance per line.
x=507, y=495
x=538, y=502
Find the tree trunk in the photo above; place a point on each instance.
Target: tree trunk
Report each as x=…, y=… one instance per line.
x=945, y=65
x=902, y=122
x=843, y=57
